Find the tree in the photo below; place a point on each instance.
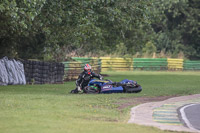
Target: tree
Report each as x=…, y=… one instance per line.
x=179, y=25
x=36, y=28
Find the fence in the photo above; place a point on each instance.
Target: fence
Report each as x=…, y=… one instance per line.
x=116, y=64
x=150, y=64
x=191, y=65
x=95, y=62
x=175, y=64
x=74, y=68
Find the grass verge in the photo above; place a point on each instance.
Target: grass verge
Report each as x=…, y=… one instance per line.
x=50, y=108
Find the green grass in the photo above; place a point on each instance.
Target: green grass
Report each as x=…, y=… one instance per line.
x=51, y=109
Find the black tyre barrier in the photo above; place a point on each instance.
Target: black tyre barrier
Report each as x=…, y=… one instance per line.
x=45, y=71
x=45, y=67
x=38, y=72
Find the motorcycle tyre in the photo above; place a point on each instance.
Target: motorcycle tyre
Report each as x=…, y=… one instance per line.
x=136, y=89
x=90, y=90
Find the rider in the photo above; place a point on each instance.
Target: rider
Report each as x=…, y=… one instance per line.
x=85, y=77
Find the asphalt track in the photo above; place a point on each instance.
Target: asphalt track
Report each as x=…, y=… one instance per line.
x=190, y=114
x=175, y=114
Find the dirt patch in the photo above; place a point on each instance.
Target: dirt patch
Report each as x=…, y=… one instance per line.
x=101, y=119
x=132, y=101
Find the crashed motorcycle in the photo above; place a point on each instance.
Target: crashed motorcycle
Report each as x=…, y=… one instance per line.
x=107, y=86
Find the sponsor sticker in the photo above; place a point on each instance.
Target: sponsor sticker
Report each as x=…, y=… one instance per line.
x=107, y=86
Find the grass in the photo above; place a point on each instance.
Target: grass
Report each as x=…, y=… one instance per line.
x=51, y=109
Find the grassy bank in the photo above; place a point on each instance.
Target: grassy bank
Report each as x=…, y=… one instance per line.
x=50, y=108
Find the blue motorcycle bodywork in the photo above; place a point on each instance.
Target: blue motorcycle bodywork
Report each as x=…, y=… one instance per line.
x=107, y=87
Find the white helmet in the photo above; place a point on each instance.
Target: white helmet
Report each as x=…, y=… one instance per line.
x=88, y=68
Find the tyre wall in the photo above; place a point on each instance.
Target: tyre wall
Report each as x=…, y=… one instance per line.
x=38, y=72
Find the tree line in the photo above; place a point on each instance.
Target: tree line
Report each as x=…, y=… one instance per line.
x=50, y=29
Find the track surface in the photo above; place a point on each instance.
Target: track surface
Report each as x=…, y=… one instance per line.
x=165, y=114
x=190, y=114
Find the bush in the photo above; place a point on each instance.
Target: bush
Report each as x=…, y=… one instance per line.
x=149, y=48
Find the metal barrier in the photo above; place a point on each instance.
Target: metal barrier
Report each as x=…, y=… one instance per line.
x=116, y=64
x=191, y=65
x=156, y=64
x=175, y=64
x=74, y=68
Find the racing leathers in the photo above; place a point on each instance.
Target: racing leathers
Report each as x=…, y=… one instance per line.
x=84, y=79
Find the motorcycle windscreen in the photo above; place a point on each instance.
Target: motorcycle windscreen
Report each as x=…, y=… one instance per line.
x=111, y=89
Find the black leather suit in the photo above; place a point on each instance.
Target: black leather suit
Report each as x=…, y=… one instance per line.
x=84, y=78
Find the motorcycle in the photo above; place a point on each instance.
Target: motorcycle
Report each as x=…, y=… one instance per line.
x=107, y=86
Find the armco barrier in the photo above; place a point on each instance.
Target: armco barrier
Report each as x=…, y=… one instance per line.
x=175, y=64
x=116, y=64
x=74, y=68
x=150, y=64
x=95, y=62
x=191, y=65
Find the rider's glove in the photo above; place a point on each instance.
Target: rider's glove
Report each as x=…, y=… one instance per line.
x=79, y=88
x=101, y=77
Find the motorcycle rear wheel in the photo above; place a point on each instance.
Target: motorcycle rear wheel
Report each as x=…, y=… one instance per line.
x=135, y=89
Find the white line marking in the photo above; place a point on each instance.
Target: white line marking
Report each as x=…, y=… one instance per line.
x=184, y=117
